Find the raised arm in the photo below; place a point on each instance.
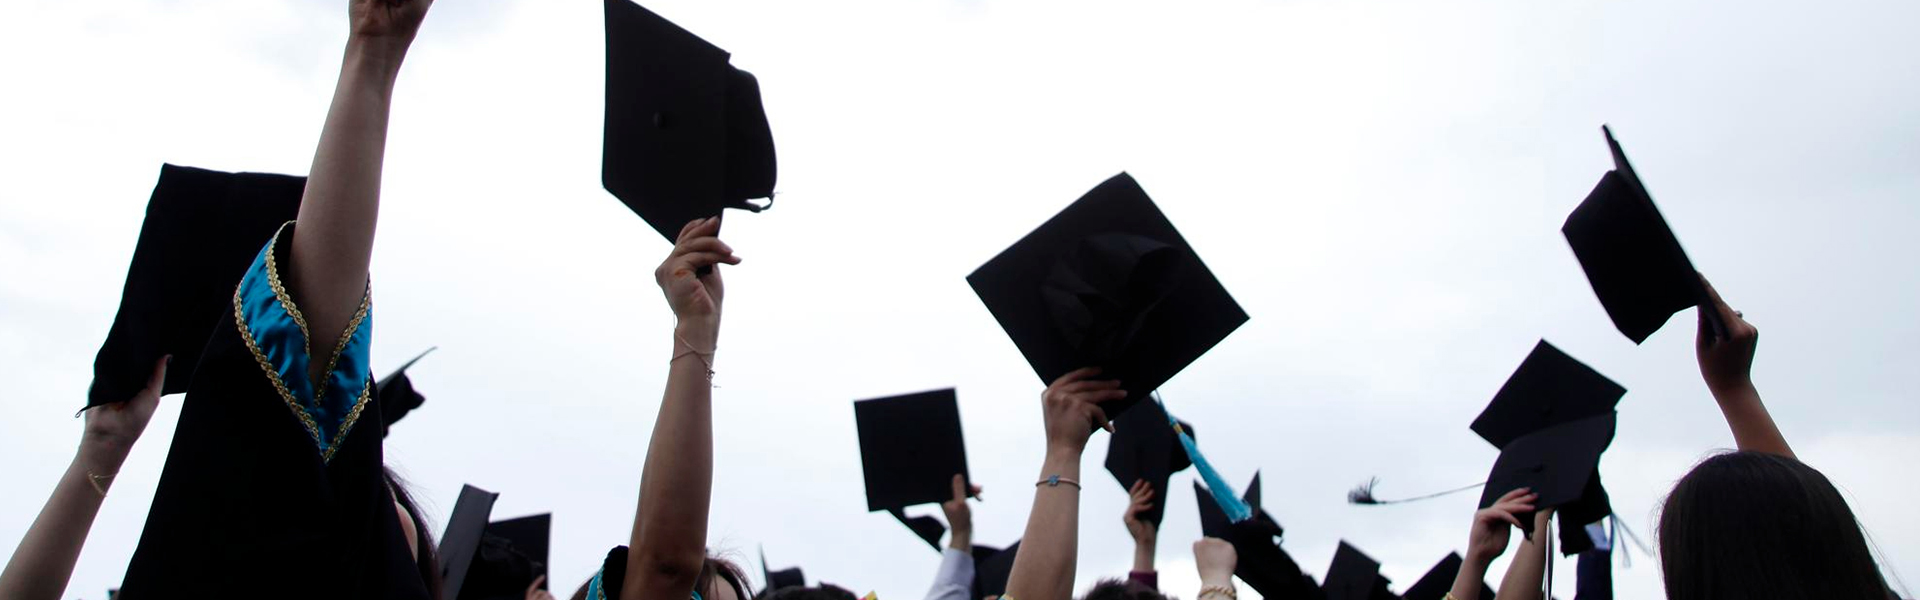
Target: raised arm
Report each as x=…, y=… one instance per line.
x=43, y=563
x=1489, y=540
x=1727, y=367
x=333, y=244
x=1529, y=567
x=669, y=542
x=1044, y=568
x=1145, y=533
x=955, y=578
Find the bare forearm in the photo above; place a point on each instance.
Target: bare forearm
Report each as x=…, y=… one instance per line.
x=333, y=245
x=1044, y=569
x=1753, y=427
x=670, y=525
x=42, y=564
x=1473, y=575
x=1528, y=570
x=1143, y=555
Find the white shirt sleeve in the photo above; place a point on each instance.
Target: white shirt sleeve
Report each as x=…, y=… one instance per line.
x=955, y=580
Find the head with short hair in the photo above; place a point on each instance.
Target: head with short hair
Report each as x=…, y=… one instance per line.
x=1756, y=525
x=824, y=591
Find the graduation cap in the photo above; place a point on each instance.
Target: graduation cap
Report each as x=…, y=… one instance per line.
x=512, y=554
x=910, y=449
x=202, y=230
x=992, y=567
x=1108, y=283
x=785, y=578
x=1354, y=576
x=685, y=133
x=396, y=393
x=1145, y=447
x=1438, y=581
x=462, y=539
x=1262, y=564
x=1631, y=257
x=1548, y=389
x=1558, y=463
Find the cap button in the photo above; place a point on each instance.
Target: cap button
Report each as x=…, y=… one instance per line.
x=659, y=120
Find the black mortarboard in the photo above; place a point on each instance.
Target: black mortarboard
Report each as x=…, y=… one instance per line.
x=1354, y=576
x=202, y=229
x=1262, y=564
x=462, y=539
x=1438, y=581
x=992, y=567
x=1558, y=463
x=512, y=554
x=396, y=393
x=1548, y=389
x=686, y=135
x=910, y=448
x=1108, y=283
x=1145, y=447
x=785, y=578
x=1631, y=257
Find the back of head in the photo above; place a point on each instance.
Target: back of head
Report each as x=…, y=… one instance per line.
x=824, y=591
x=1118, y=589
x=1754, y=525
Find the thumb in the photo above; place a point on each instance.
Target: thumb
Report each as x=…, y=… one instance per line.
x=959, y=488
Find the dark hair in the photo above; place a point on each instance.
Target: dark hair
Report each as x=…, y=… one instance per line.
x=1122, y=589
x=711, y=568
x=725, y=572
x=1755, y=525
x=427, y=561
x=824, y=591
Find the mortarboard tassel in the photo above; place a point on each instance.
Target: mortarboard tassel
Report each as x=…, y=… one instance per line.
x=1223, y=494
x=1363, y=493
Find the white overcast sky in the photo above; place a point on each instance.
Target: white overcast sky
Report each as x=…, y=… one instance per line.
x=1379, y=183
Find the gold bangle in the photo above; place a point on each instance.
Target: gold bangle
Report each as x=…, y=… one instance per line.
x=1223, y=590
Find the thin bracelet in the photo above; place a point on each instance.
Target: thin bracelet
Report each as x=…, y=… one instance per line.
x=96, y=479
x=1223, y=590
x=703, y=356
x=1055, y=481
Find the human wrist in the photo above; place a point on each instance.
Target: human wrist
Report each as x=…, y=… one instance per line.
x=100, y=459
x=1732, y=388
x=699, y=334
x=376, y=55
x=1143, y=555
x=1210, y=577
x=960, y=540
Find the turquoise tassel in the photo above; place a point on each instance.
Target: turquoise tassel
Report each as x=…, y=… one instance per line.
x=1223, y=494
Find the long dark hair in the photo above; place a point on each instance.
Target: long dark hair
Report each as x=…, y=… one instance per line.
x=1754, y=525
x=427, y=561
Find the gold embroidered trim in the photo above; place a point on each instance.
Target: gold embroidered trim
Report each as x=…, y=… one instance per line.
x=326, y=377
x=353, y=416
x=246, y=334
x=280, y=292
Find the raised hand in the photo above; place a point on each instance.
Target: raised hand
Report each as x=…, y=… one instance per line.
x=696, y=298
x=1726, y=364
x=1140, y=497
x=959, y=515
x=1072, y=406
x=115, y=427
x=1215, y=559
x=1490, y=534
x=392, y=20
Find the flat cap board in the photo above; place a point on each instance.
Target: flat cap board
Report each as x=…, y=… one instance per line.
x=1145, y=448
x=910, y=448
x=1558, y=463
x=992, y=568
x=1108, y=283
x=1438, y=582
x=202, y=230
x=1549, y=388
x=462, y=539
x=685, y=134
x=1635, y=263
x=1352, y=576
